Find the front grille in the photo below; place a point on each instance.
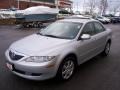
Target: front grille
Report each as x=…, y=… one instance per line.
x=26, y=73
x=14, y=56
x=19, y=71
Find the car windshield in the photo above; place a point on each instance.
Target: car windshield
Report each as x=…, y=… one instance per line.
x=63, y=30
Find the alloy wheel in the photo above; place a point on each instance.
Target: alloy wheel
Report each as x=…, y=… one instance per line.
x=68, y=69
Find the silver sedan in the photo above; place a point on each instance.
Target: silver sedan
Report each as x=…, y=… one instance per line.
x=57, y=49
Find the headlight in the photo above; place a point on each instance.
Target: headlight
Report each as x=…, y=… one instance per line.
x=39, y=59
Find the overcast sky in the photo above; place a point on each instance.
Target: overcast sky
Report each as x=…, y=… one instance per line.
x=79, y=4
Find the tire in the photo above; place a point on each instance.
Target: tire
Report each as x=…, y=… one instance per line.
x=107, y=49
x=39, y=24
x=66, y=69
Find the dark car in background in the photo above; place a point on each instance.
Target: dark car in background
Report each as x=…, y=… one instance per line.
x=103, y=19
x=114, y=19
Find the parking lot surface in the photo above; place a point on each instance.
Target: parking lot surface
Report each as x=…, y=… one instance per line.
x=99, y=73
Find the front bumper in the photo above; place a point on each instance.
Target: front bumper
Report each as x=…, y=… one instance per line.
x=32, y=71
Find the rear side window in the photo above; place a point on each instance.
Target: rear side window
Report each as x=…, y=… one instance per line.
x=88, y=29
x=98, y=28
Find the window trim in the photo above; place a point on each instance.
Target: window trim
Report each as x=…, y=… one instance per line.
x=99, y=24
x=79, y=37
x=86, y=25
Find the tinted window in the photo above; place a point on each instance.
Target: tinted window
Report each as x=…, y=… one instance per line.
x=98, y=28
x=88, y=29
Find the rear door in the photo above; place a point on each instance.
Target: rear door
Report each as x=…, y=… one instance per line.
x=100, y=34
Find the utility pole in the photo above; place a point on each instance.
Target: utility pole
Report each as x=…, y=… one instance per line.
x=9, y=4
x=18, y=4
x=84, y=5
x=29, y=3
x=56, y=4
x=77, y=6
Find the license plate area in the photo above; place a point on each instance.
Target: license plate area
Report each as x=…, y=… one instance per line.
x=10, y=66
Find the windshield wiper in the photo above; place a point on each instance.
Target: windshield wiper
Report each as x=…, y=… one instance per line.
x=47, y=35
x=54, y=36
x=40, y=34
x=50, y=35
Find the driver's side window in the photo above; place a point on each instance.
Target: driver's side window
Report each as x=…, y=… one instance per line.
x=88, y=29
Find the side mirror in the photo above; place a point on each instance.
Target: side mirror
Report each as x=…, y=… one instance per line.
x=85, y=37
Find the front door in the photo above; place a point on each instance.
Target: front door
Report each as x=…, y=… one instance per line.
x=86, y=48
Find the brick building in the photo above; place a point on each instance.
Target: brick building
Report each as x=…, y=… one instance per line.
x=5, y=4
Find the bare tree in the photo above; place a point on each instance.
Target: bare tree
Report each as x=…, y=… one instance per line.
x=115, y=8
x=103, y=6
x=91, y=5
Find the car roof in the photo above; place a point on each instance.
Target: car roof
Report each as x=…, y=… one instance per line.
x=78, y=20
x=78, y=17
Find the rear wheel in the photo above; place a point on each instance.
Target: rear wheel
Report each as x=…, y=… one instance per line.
x=66, y=69
x=106, y=50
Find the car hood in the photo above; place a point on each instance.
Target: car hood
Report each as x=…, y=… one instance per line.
x=35, y=44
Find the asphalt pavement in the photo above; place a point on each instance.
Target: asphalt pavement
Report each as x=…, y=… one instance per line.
x=99, y=73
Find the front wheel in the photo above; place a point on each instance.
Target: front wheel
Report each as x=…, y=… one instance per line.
x=66, y=69
x=106, y=50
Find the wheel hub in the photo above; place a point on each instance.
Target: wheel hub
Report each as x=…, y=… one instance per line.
x=68, y=69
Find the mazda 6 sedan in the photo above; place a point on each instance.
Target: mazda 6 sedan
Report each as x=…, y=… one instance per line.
x=58, y=49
